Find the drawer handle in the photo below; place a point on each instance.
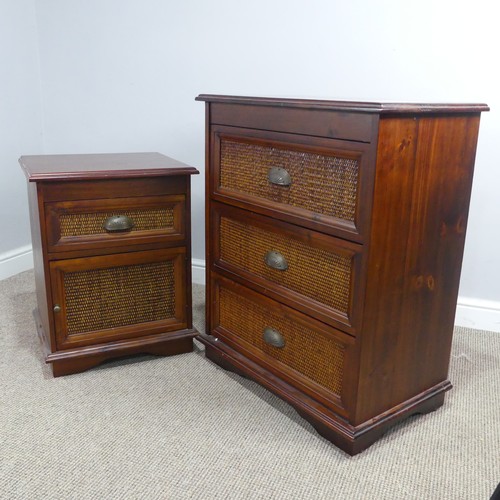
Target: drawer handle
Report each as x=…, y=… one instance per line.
x=276, y=260
x=117, y=223
x=279, y=176
x=273, y=337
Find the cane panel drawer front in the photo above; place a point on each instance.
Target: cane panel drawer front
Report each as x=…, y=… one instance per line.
x=318, y=273
x=111, y=238
x=289, y=343
x=317, y=181
x=84, y=224
x=335, y=233
x=112, y=297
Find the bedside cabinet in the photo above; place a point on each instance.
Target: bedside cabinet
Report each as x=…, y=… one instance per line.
x=335, y=235
x=112, y=255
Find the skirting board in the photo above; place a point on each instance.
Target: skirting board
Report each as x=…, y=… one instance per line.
x=478, y=314
x=16, y=261
x=198, y=271
x=472, y=313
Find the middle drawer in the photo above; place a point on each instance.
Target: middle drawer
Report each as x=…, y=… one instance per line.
x=317, y=274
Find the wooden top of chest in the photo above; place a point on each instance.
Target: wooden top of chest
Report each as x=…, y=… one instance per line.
x=348, y=106
x=101, y=166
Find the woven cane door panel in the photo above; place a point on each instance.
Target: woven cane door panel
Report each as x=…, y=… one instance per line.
x=104, y=299
x=323, y=275
x=317, y=183
x=316, y=356
x=99, y=299
x=92, y=223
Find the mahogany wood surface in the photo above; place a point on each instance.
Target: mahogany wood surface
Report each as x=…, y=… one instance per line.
x=57, y=190
x=321, y=123
x=365, y=107
x=423, y=183
x=417, y=166
x=80, y=184
x=163, y=345
x=101, y=166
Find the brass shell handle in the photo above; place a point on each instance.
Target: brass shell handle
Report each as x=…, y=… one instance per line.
x=57, y=308
x=276, y=260
x=117, y=223
x=273, y=337
x=279, y=176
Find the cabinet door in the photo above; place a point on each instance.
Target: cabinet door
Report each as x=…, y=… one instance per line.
x=113, y=297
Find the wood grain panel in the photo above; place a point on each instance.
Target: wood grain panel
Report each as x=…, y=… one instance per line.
x=323, y=123
x=420, y=209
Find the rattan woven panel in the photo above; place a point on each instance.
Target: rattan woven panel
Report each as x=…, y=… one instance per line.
x=318, y=274
x=82, y=224
x=99, y=299
x=322, y=184
x=314, y=355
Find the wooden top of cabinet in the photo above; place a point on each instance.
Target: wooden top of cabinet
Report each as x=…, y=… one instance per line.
x=351, y=106
x=101, y=166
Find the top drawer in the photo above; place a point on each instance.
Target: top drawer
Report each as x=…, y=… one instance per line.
x=102, y=223
x=311, y=181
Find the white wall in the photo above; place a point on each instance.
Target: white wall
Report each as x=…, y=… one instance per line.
x=20, y=126
x=121, y=75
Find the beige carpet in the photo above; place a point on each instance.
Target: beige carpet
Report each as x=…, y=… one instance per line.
x=180, y=427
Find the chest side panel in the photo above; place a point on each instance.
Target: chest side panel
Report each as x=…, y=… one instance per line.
x=421, y=198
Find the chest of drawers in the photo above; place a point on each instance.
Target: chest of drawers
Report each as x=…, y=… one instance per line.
x=335, y=235
x=112, y=255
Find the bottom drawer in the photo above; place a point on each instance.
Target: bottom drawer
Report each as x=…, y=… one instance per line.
x=294, y=346
x=112, y=297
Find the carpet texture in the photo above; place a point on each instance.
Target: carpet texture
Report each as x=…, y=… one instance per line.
x=181, y=428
